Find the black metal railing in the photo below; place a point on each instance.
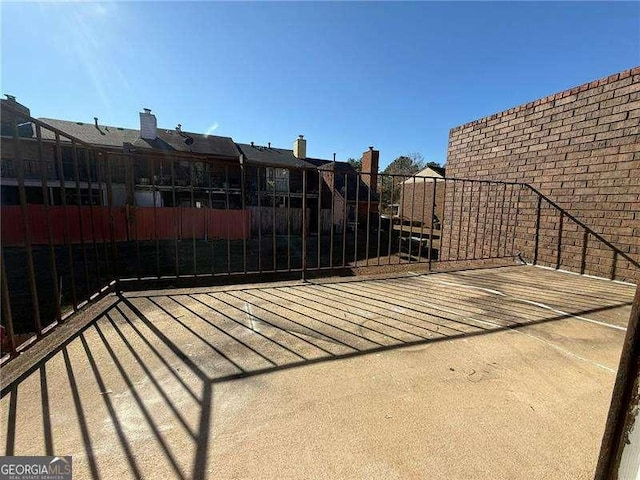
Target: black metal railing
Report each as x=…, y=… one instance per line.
x=88, y=220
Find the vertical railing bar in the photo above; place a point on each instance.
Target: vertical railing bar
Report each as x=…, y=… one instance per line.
x=433, y=211
x=67, y=232
x=452, y=216
x=413, y=201
x=356, y=221
x=475, y=235
x=333, y=199
x=493, y=220
x=210, y=234
x=76, y=172
x=178, y=209
x=460, y=222
x=99, y=168
x=243, y=179
x=424, y=200
x=468, y=233
x=47, y=210
x=260, y=215
x=319, y=237
x=91, y=216
x=27, y=231
x=515, y=221
x=273, y=220
x=6, y=306
x=289, y=220
x=401, y=218
x=304, y=224
x=112, y=225
x=485, y=220
x=192, y=209
x=228, y=207
x=345, y=222
x=537, y=237
x=504, y=196
x=442, y=220
x=559, y=252
x=52, y=254
x=152, y=171
x=379, y=193
x=133, y=209
x=368, y=220
x=614, y=263
x=585, y=246
x=508, y=226
x=390, y=221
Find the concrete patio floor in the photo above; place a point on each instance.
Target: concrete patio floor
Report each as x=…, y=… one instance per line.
x=491, y=373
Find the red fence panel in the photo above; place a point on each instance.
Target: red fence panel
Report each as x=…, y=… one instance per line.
x=129, y=222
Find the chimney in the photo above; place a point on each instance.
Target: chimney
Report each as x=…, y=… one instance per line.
x=9, y=117
x=370, y=160
x=300, y=147
x=148, y=125
x=95, y=121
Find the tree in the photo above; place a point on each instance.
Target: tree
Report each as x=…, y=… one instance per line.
x=356, y=164
x=405, y=166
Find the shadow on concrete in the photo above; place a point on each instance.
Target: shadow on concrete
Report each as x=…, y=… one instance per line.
x=246, y=333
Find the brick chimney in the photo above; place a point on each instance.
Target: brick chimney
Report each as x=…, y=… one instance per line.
x=370, y=160
x=18, y=114
x=300, y=147
x=148, y=125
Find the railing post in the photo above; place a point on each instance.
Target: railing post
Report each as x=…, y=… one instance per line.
x=243, y=179
x=112, y=225
x=614, y=264
x=27, y=231
x=583, y=257
x=537, y=236
x=618, y=435
x=559, y=252
x=433, y=211
x=304, y=224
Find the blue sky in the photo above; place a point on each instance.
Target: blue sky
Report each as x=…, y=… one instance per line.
x=396, y=76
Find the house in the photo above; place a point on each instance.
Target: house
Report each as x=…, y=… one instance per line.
x=159, y=167
x=355, y=195
x=170, y=167
x=276, y=177
x=417, y=196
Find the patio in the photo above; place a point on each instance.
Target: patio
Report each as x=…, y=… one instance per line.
x=486, y=373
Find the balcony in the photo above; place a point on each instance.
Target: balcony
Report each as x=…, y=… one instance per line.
x=139, y=341
x=433, y=375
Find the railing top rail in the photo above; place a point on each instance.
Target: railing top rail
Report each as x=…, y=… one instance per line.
x=595, y=234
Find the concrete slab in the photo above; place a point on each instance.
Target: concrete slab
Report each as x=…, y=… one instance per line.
x=491, y=373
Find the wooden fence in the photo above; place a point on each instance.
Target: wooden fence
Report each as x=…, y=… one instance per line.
x=86, y=224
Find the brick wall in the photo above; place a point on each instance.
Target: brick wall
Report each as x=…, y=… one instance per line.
x=581, y=149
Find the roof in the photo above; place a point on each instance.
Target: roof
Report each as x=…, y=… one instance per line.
x=427, y=172
x=167, y=140
x=353, y=178
x=273, y=157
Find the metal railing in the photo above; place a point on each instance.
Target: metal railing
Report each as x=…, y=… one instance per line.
x=89, y=220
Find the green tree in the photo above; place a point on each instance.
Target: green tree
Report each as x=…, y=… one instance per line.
x=405, y=166
x=355, y=163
